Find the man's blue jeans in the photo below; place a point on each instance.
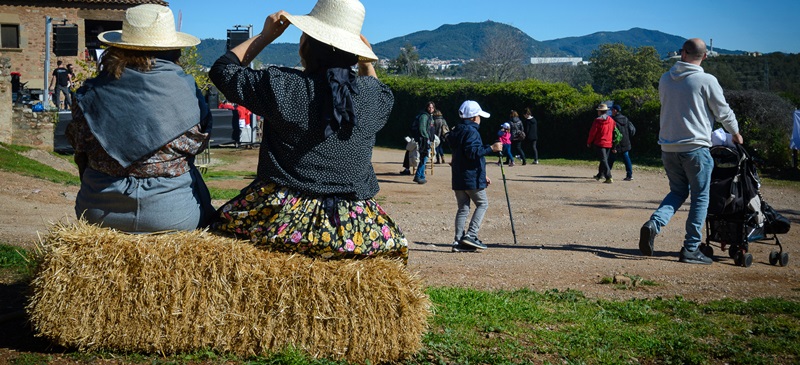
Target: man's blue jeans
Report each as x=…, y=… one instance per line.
x=423, y=161
x=625, y=158
x=688, y=173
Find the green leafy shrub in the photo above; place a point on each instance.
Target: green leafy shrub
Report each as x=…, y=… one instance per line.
x=765, y=121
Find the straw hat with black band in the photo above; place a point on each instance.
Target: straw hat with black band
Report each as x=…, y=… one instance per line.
x=337, y=23
x=148, y=27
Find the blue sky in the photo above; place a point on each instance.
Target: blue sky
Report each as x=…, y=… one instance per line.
x=761, y=26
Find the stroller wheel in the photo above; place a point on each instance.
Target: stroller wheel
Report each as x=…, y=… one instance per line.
x=744, y=259
x=773, y=257
x=784, y=259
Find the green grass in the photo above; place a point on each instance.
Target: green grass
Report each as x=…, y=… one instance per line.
x=12, y=161
x=229, y=175
x=222, y=193
x=16, y=262
x=524, y=326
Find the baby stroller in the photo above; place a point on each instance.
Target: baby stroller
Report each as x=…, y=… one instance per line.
x=737, y=214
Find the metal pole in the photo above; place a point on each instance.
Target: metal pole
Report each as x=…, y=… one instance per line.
x=252, y=115
x=47, y=37
x=508, y=201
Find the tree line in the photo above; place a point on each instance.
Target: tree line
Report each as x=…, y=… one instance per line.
x=611, y=67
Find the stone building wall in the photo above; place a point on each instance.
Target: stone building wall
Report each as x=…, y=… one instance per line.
x=5, y=99
x=33, y=129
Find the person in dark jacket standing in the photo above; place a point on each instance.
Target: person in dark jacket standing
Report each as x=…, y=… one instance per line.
x=424, y=139
x=469, y=179
x=516, y=138
x=628, y=130
x=531, y=133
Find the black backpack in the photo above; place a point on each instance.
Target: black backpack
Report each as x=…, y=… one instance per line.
x=415, y=127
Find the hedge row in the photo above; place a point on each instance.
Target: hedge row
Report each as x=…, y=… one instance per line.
x=565, y=114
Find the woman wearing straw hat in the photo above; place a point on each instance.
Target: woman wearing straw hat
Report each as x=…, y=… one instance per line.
x=315, y=186
x=136, y=130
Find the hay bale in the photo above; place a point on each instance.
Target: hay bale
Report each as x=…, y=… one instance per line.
x=99, y=289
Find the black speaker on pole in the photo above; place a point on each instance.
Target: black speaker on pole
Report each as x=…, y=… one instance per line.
x=65, y=40
x=236, y=37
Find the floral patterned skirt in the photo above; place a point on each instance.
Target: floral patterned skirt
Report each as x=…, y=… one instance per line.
x=280, y=219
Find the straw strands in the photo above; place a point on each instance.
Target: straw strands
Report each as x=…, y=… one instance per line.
x=174, y=293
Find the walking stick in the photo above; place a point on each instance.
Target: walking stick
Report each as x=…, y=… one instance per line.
x=508, y=201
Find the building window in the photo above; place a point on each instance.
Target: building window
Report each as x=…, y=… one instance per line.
x=9, y=35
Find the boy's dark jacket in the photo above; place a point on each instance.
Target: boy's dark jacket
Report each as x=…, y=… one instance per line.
x=469, y=166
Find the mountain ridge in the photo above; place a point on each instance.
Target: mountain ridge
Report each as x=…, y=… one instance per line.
x=464, y=41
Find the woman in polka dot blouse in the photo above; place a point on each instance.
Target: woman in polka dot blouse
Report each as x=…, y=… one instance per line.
x=315, y=186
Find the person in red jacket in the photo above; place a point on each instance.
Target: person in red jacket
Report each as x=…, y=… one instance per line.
x=600, y=136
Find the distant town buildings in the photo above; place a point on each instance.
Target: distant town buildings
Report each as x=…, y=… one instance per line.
x=436, y=64
x=574, y=61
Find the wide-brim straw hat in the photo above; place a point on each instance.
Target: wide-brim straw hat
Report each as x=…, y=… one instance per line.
x=148, y=27
x=337, y=23
x=602, y=107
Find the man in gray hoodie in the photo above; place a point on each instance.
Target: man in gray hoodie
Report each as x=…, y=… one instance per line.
x=691, y=101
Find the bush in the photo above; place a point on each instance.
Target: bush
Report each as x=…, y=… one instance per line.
x=765, y=122
x=642, y=107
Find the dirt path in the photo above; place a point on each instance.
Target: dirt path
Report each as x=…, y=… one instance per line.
x=572, y=231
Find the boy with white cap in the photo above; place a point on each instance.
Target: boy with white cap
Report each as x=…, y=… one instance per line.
x=469, y=179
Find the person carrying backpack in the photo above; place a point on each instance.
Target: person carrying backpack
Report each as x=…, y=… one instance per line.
x=627, y=130
x=517, y=135
x=420, y=131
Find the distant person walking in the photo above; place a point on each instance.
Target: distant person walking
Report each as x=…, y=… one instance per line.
x=518, y=136
x=600, y=137
x=627, y=130
x=469, y=179
x=59, y=84
x=691, y=101
x=440, y=129
x=531, y=133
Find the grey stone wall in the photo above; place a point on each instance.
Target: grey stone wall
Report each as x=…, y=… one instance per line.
x=33, y=129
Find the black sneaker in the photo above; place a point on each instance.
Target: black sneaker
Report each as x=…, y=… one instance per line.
x=596, y=177
x=458, y=247
x=629, y=178
x=646, y=237
x=694, y=257
x=405, y=172
x=473, y=241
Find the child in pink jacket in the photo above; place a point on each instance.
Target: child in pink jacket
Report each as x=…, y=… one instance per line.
x=504, y=136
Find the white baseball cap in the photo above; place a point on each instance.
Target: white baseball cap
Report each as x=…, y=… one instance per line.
x=470, y=109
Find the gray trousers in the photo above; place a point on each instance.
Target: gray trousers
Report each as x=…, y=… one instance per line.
x=57, y=97
x=142, y=205
x=463, y=198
